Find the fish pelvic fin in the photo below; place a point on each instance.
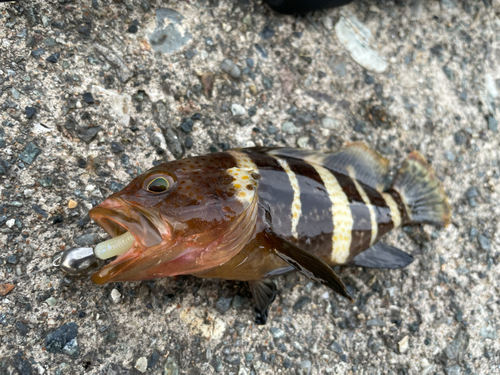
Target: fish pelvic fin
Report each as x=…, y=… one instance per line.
x=421, y=192
x=307, y=264
x=264, y=293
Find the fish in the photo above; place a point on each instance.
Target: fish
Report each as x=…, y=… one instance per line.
x=253, y=214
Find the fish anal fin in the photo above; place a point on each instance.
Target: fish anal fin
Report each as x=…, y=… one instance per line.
x=264, y=293
x=308, y=264
x=382, y=255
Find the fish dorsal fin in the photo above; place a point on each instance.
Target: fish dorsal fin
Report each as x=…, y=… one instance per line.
x=307, y=264
x=369, y=167
x=355, y=160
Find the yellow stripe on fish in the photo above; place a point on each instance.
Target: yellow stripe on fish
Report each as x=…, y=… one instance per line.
x=366, y=199
x=395, y=214
x=341, y=215
x=296, y=204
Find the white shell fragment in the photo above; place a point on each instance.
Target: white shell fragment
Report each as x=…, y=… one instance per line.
x=403, y=344
x=356, y=38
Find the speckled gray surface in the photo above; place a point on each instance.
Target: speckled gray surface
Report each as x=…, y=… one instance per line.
x=80, y=86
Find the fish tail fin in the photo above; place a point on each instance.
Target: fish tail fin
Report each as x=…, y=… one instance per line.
x=421, y=192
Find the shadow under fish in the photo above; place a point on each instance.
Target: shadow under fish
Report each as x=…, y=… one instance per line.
x=303, y=6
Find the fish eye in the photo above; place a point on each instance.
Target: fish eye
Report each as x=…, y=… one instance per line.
x=158, y=185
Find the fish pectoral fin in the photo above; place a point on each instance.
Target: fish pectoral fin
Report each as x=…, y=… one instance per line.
x=308, y=264
x=263, y=292
x=382, y=255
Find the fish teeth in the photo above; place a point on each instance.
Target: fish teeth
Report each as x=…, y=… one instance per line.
x=114, y=246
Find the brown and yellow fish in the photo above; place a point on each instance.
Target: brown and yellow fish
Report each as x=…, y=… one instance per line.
x=252, y=214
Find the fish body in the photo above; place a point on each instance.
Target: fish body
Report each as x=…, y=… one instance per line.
x=253, y=214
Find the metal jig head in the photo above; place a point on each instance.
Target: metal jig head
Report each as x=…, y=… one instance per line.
x=75, y=261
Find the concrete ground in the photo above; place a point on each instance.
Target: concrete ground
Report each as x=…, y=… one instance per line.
x=78, y=80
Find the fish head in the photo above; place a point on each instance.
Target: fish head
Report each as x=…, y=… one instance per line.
x=185, y=216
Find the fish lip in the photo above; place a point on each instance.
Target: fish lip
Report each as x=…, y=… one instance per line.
x=115, y=223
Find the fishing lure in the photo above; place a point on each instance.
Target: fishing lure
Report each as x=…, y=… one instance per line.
x=257, y=213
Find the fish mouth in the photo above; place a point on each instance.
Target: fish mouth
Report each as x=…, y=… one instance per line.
x=132, y=230
x=116, y=223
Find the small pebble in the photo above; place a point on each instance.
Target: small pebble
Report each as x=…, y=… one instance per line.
x=289, y=128
x=72, y=204
x=302, y=142
x=237, y=110
x=492, y=124
x=301, y=302
x=88, y=98
x=229, y=67
x=30, y=112
x=329, y=123
x=6, y=288
x=116, y=296
x=450, y=156
x=460, y=138
x=484, y=242
x=63, y=340
x=488, y=332
x=187, y=126
x=171, y=367
x=335, y=347
x=38, y=52
x=328, y=22
x=277, y=333
x=145, y=6
x=21, y=328
x=142, y=363
x=267, y=82
x=88, y=239
x=132, y=29
x=10, y=223
x=28, y=192
x=84, y=30
x=224, y=303
x=116, y=148
x=188, y=142
x=53, y=58
x=153, y=359
x=453, y=370
x=238, y=301
x=30, y=153
x=361, y=127
x=267, y=33
x=375, y=323
x=51, y=301
x=305, y=367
